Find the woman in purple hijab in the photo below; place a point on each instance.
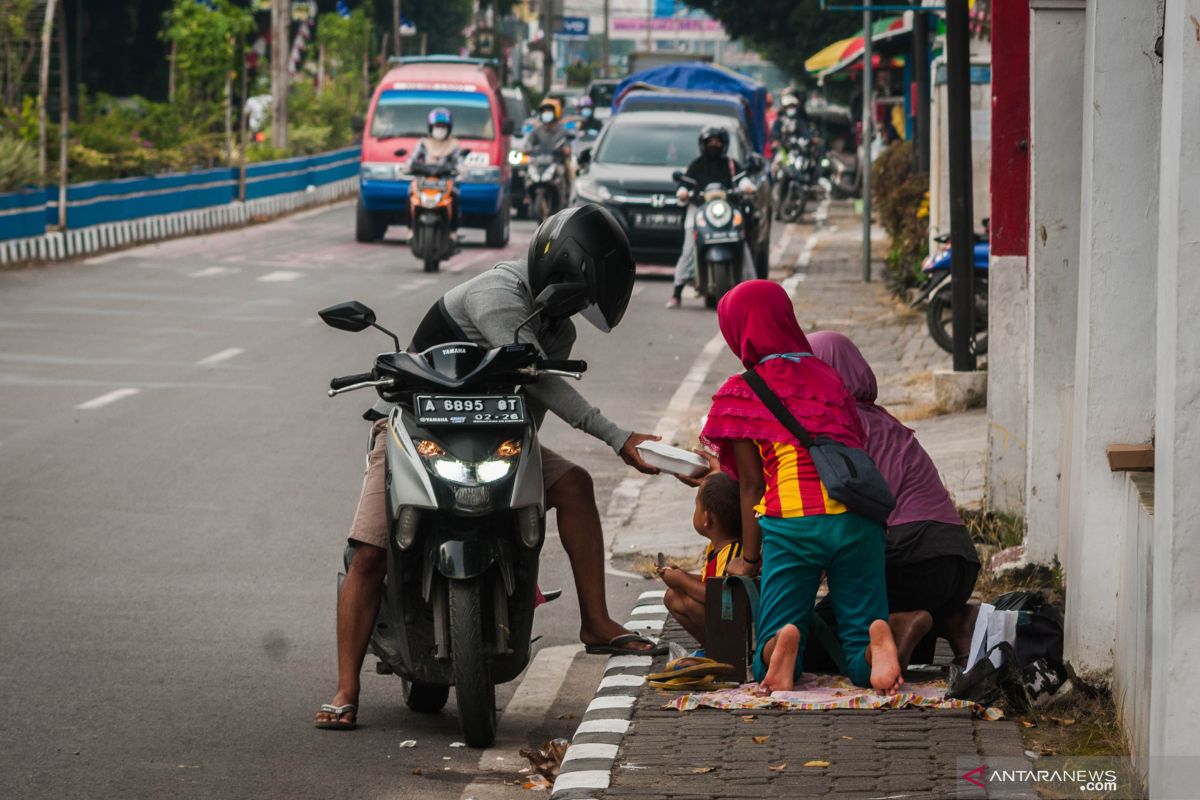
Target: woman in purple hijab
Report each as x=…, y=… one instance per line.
x=931, y=563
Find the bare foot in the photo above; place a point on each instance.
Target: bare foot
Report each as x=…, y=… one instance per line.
x=908, y=629
x=781, y=664
x=881, y=655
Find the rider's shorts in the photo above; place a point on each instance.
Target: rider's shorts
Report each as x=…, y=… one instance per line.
x=370, y=519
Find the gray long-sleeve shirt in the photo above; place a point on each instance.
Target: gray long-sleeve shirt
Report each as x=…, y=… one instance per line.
x=489, y=307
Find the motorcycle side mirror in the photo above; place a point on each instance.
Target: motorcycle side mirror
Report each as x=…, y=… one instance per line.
x=401, y=152
x=353, y=316
x=585, y=157
x=677, y=176
x=757, y=163
x=508, y=127
x=350, y=316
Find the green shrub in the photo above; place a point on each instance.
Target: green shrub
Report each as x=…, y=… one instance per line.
x=901, y=201
x=18, y=164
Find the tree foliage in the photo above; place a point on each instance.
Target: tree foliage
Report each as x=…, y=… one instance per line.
x=442, y=22
x=786, y=32
x=206, y=38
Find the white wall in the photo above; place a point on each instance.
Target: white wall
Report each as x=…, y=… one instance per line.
x=1115, y=328
x=1006, y=386
x=1056, y=119
x=1134, y=628
x=1175, y=704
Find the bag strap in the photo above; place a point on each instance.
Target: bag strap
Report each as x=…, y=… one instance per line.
x=727, y=596
x=776, y=407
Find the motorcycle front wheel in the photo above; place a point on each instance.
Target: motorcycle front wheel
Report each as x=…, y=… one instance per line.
x=720, y=281
x=541, y=206
x=473, y=688
x=795, y=202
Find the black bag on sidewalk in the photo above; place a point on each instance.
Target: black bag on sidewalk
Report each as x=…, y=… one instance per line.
x=849, y=474
x=730, y=612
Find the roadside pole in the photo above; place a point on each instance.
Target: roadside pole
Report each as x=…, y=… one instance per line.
x=962, y=212
x=44, y=88
x=920, y=57
x=280, y=16
x=868, y=128
x=605, y=56
x=64, y=115
x=396, y=24
x=547, y=45
x=243, y=126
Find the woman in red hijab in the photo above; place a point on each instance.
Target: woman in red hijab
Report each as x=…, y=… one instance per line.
x=789, y=522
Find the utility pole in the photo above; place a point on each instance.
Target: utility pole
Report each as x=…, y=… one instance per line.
x=396, y=24
x=604, y=57
x=44, y=87
x=548, y=43
x=921, y=76
x=64, y=115
x=243, y=125
x=280, y=19
x=868, y=125
x=962, y=212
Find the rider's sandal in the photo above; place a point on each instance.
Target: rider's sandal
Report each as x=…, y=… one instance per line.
x=337, y=723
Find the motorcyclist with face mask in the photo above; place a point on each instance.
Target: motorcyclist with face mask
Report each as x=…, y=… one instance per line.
x=440, y=145
x=583, y=245
x=587, y=110
x=792, y=123
x=713, y=165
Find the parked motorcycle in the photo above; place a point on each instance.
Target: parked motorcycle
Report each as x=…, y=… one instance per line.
x=938, y=290
x=431, y=210
x=545, y=185
x=720, y=231
x=796, y=179
x=465, y=511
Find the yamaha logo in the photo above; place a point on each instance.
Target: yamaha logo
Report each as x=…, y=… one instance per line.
x=658, y=200
x=453, y=351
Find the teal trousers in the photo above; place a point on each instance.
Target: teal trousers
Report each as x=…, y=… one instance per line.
x=849, y=548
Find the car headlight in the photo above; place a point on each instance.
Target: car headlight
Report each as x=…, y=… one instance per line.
x=378, y=171
x=465, y=473
x=590, y=190
x=719, y=213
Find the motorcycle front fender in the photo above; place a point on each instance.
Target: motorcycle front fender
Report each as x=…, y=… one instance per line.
x=720, y=252
x=459, y=560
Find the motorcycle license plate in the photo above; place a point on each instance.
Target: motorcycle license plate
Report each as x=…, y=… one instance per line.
x=657, y=219
x=460, y=410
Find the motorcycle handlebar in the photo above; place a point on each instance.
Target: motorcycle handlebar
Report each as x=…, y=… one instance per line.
x=564, y=365
x=350, y=380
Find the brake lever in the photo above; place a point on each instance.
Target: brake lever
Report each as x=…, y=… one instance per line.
x=357, y=386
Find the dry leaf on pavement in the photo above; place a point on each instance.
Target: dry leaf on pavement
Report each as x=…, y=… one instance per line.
x=749, y=718
x=703, y=770
x=777, y=767
x=416, y=771
x=1063, y=722
x=760, y=739
x=816, y=763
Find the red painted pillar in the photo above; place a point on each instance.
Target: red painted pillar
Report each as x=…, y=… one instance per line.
x=1010, y=128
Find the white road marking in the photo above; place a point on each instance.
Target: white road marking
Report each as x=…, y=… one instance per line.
x=281, y=276
x=653, y=594
x=105, y=399
x=210, y=272
x=606, y=703
x=217, y=358
x=584, y=779
x=623, y=662
x=658, y=611
x=107, y=257
x=603, y=726
x=611, y=681
x=539, y=687
x=590, y=750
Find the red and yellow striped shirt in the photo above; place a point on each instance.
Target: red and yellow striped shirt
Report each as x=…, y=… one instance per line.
x=716, y=562
x=794, y=488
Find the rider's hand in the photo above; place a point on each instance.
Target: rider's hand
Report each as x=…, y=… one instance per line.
x=739, y=567
x=713, y=466
x=632, y=457
x=682, y=195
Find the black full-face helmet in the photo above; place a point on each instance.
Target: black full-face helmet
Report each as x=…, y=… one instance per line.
x=714, y=132
x=587, y=245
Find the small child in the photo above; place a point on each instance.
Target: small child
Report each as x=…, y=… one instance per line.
x=718, y=519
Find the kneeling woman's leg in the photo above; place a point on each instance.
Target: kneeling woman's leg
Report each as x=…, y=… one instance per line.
x=857, y=589
x=792, y=560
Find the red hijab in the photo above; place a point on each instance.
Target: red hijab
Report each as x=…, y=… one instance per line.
x=758, y=321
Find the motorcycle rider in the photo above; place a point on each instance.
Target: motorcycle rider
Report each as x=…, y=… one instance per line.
x=590, y=125
x=792, y=123
x=711, y=166
x=583, y=244
x=440, y=145
x=550, y=138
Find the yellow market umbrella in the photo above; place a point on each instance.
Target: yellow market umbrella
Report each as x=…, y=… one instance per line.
x=828, y=56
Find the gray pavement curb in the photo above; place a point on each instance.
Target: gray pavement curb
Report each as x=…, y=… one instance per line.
x=589, y=762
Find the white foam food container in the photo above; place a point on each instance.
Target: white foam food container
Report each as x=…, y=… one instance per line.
x=673, y=459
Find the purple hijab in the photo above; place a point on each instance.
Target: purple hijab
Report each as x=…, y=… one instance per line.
x=908, y=469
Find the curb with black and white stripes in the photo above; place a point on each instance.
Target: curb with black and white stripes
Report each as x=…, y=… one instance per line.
x=60, y=245
x=587, y=767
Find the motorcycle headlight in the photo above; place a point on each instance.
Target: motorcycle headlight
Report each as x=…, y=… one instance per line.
x=719, y=213
x=590, y=190
x=465, y=473
x=431, y=199
x=377, y=171
x=515, y=157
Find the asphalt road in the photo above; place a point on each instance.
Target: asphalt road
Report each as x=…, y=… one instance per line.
x=174, y=491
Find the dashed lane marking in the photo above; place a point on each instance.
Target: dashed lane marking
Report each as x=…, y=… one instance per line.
x=217, y=358
x=211, y=272
x=281, y=276
x=106, y=399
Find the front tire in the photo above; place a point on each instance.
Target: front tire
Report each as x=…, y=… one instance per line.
x=473, y=688
x=368, y=227
x=721, y=280
x=541, y=206
x=498, y=228
x=424, y=698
